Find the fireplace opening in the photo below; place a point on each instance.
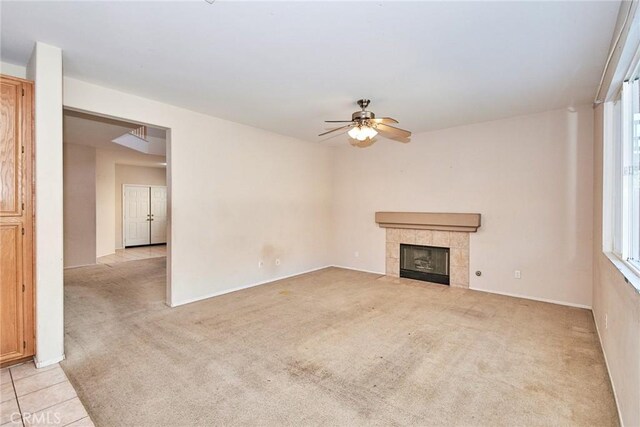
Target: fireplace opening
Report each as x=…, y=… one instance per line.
x=428, y=263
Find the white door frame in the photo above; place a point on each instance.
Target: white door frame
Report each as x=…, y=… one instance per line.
x=124, y=188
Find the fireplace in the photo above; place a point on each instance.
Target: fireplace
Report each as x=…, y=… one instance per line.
x=428, y=263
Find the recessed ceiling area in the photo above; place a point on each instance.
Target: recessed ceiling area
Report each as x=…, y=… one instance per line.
x=99, y=132
x=288, y=66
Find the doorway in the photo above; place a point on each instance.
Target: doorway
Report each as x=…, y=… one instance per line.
x=107, y=163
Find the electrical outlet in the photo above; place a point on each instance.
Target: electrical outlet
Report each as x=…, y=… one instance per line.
x=356, y=254
x=260, y=264
x=277, y=261
x=517, y=274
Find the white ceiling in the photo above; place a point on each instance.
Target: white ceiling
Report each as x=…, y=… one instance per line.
x=287, y=66
x=98, y=132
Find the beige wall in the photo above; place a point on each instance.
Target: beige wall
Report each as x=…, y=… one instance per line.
x=530, y=177
x=619, y=302
x=126, y=174
x=105, y=203
x=13, y=70
x=79, y=205
x=237, y=195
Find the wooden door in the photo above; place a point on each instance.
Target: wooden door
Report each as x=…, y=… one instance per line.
x=158, y=215
x=137, y=215
x=17, y=329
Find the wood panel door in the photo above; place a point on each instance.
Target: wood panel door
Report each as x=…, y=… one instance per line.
x=17, y=329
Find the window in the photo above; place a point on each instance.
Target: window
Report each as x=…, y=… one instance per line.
x=624, y=133
x=616, y=139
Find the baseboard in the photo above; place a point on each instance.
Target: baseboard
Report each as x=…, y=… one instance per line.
x=81, y=265
x=100, y=256
x=606, y=363
x=357, y=269
x=508, y=294
x=48, y=362
x=569, y=304
x=239, y=288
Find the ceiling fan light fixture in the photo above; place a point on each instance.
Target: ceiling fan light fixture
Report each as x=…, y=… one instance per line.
x=370, y=132
x=362, y=133
x=354, y=132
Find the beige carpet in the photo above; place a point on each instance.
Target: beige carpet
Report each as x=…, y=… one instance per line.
x=334, y=347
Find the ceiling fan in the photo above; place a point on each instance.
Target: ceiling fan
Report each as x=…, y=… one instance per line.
x=364, y=126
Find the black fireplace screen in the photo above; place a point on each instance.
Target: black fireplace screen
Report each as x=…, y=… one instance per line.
x=427, y=263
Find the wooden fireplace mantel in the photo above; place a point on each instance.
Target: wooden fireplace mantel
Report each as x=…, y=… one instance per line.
x=466, y=222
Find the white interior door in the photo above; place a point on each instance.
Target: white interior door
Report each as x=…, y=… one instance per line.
x=136, y=216
x=158, y=215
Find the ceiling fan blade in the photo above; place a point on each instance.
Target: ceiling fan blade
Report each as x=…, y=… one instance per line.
x=334, y=130
x=384, y=120
x=400, y=139
x=394, y=131
x=339, y=121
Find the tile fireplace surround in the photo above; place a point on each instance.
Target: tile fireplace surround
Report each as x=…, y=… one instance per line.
x=458, y=242
x=430, y=229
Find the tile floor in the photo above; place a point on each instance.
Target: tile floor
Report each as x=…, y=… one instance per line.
x=134, y=254
x=39, y=397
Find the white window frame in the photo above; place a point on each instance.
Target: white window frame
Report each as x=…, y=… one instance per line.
x=616, y=243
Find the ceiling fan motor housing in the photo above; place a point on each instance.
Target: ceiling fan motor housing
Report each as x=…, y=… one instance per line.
x=362, y=115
